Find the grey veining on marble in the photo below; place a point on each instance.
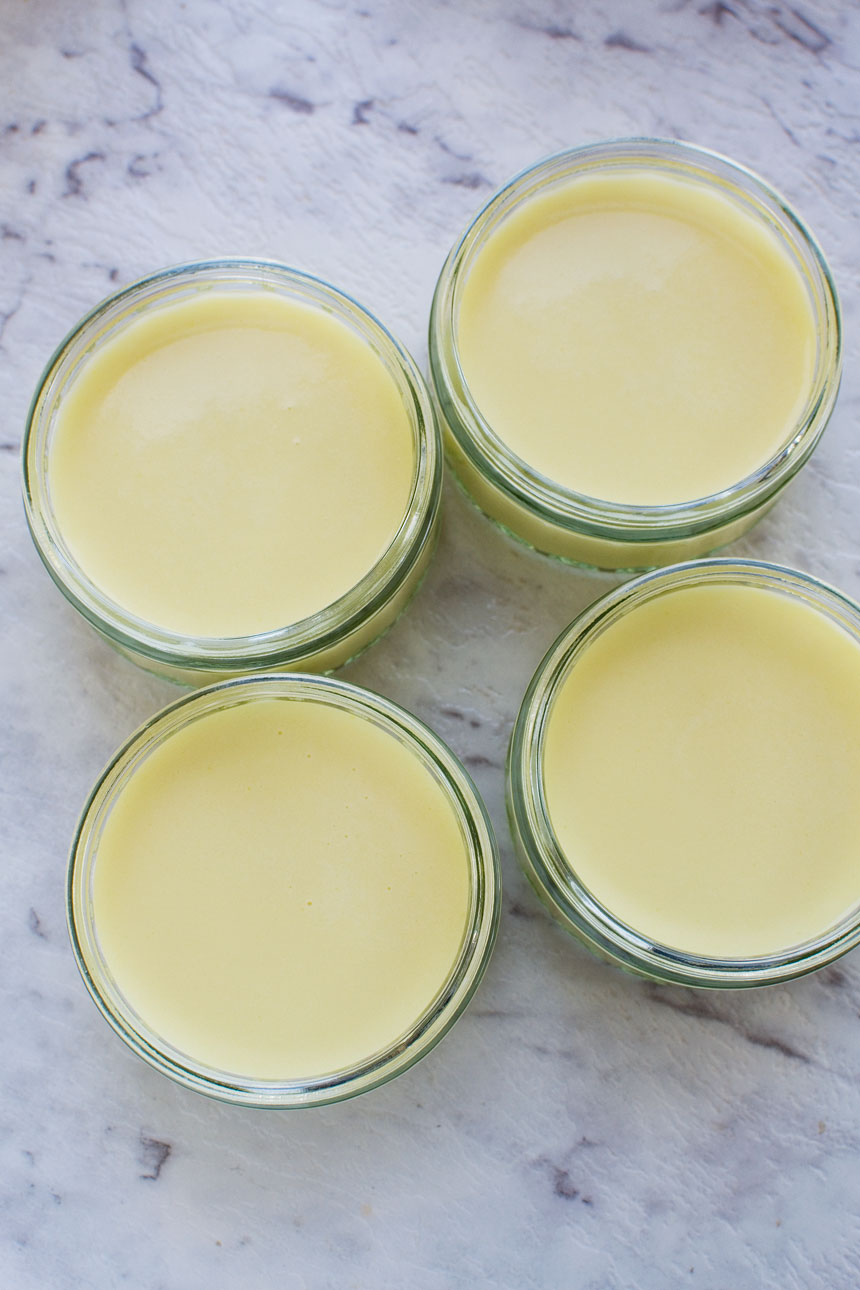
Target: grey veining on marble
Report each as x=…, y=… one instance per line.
x=577, y=1128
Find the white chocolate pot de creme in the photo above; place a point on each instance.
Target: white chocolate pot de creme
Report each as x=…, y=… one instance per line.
x=280, y=890
x=637, y=339
x=231, y=467
x=231, y=463
x=682, y=775
x=701, y=764
x=635, y=346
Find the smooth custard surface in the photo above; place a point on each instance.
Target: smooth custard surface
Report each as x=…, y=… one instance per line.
x=281, y=889
x=701, y=763
x=231, y=464
x=636, y=338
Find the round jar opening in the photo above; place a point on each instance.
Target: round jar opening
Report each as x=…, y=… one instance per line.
x=283, y=891
x=681, y=774
x=232, y=463
x=635, y=341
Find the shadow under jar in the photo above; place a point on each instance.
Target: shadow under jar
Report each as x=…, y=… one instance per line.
x=283, y=891
x=682, y=775
x=231, y=466
x=635, y=346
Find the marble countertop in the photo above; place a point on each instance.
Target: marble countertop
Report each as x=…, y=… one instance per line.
x=578, y=1128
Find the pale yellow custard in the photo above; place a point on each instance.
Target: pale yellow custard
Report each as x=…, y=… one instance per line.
x=231, y=463
x=700, y=765
x=636, y=338
x=281, y=889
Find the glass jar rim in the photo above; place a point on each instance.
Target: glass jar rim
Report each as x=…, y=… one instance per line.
x=544, y=858
x=553, y=502
x=292, y=642
x=454, y=993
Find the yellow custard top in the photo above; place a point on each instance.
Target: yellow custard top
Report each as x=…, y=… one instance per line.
x=281, y=889
x=231, y=463
x=700, y=767
x=637, y=338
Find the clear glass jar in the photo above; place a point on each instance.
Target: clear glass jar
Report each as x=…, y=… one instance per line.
x=329, y=637
x=454, y=992
x=573, y=526
x=553, y=874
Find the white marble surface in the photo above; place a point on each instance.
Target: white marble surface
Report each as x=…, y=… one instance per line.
x=577, y=1128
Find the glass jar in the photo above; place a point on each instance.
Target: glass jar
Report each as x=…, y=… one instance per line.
x=553, y=872
x=327, y=638
x=587, y=530
x=454, y=992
